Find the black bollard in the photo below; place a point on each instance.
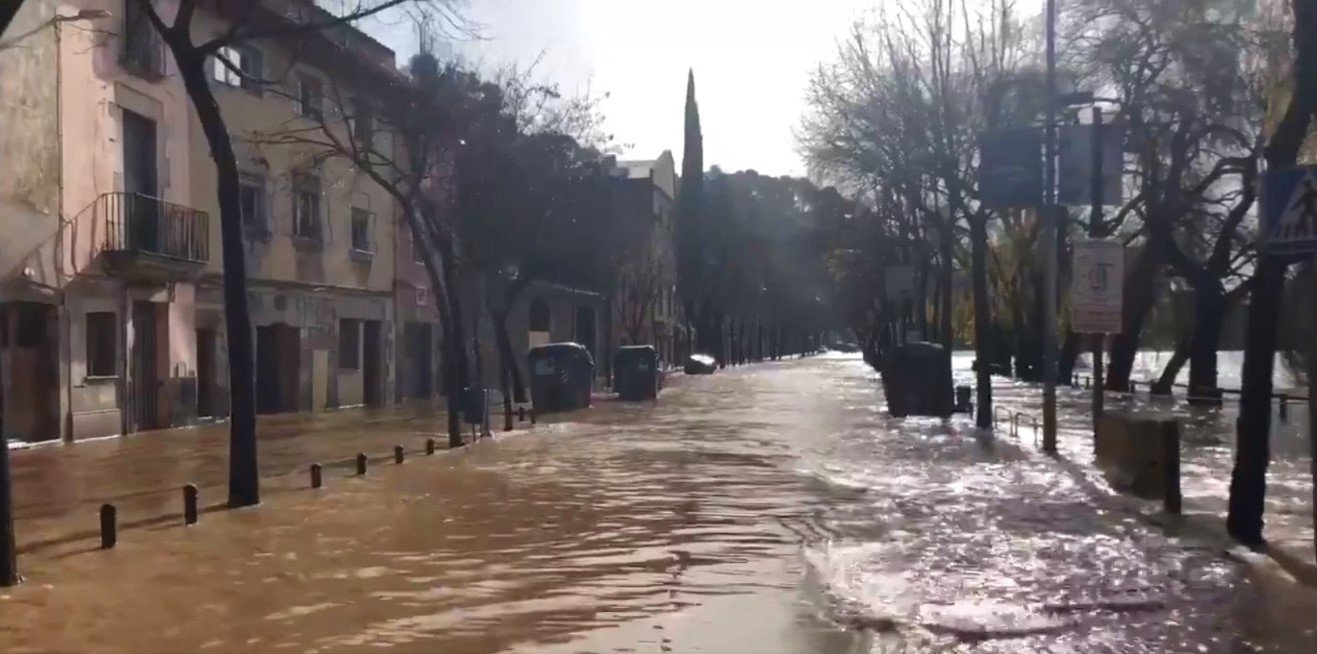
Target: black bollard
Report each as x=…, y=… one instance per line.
x=316, y=481
x=1284, y=407
x=109, y=526
x=532, y=414
x=429, y=446
x=521, y=414
x=190, y=504
x=361, y=464
x=398, y=454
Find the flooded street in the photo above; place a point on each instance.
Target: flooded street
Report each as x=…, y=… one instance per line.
x=767, y=509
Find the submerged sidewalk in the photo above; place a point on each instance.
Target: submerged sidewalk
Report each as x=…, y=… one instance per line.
x=58, y=488
x=1207, y=458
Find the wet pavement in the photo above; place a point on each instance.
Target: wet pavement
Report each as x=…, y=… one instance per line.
x=767, y=509
x=1207, y=449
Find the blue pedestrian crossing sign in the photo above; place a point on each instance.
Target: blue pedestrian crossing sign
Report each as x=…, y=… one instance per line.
x=1289, y=211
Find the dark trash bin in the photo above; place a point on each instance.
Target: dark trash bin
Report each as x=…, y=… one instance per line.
x=917, y=380
x=636, y=373
x=561, y=377
x=700, y=364
x=473, y=405
x=964, y=399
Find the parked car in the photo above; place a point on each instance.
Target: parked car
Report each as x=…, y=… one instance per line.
x=700, y=364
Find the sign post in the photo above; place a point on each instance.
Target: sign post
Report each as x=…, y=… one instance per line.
x=1097, y=287
x=1289, y=227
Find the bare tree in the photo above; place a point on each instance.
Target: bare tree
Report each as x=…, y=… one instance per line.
x=192, y=53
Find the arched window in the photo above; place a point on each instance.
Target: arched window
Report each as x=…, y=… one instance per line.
x=539, y=315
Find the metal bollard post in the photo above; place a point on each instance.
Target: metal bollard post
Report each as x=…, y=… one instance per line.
x=109, y=526
x=521, y=414
x=361, y=464
x=1284, y=407
x=1087, y=381
x=532, y=414
x=398, y=454
x=429, y=446
x=1172, y=501
x=190, y=504
x=1015, y=425
x=316, y=477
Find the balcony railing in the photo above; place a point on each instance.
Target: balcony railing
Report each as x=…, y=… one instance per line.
x=141, y=224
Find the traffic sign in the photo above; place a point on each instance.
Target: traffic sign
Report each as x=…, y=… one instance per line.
x=1289, y=211
x=1011, y=168
x=1074, y=165
x=1097, y=289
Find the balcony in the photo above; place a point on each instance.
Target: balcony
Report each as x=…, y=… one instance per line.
x=149, y=238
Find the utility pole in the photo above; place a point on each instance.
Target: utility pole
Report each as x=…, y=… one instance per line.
x=1050, y=221
x=1097, y=229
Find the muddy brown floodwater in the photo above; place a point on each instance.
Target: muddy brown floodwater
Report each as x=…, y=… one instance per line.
x=768, y=509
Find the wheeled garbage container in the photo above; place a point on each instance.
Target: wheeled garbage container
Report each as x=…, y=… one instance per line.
x=636, y=373
x=561, y=377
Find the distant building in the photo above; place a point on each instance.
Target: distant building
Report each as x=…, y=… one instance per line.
x=645, y=304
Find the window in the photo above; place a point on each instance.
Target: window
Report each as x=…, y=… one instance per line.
x=247, y=59
x=349, y=344
x=539, y=318
x=143, y=51
x=310, y=97
x=361, y=230
x=251, y=196
x=306, y=207
x=101, y=340
x=363, y=123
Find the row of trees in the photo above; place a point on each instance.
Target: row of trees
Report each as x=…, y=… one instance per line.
x=1200, y=92
x=750, y=256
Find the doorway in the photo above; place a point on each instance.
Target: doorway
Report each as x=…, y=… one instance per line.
x=206, y=386
x=140, y=182
x=372, y=382
x=29, y=345
x=144, y=373
x=585, y=330
x=419, y=358
x=278, y=357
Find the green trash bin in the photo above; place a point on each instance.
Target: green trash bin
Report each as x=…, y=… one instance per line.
x=561, y=377
x=636, y=373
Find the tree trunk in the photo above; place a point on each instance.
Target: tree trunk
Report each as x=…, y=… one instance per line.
x=1140, y=294
x=1209, y=318
x=1248, y=479
x=944, y=285
x=1166, y=382
x=244, y=475
x=1069, y=354
x=982, y=319
x=455, y=352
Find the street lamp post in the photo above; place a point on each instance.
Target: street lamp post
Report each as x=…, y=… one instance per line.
x=1050, y=221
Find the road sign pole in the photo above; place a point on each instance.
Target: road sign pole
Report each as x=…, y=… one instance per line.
x=1051, y=220
x=1097, y=229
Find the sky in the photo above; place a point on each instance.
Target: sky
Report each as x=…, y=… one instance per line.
x=752, y=61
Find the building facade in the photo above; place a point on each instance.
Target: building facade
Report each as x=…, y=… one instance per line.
x=645, y=303
x=111, y=316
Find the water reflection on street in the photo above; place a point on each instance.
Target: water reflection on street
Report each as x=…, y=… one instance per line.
x=767, y=509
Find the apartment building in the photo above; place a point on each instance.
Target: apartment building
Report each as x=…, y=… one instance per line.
x=110, y=304
x=105, y=238
x=319, y=233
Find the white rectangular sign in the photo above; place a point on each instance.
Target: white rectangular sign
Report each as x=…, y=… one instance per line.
x=1096, y=296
